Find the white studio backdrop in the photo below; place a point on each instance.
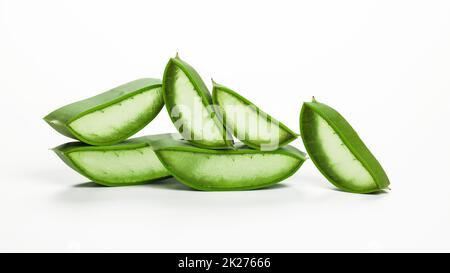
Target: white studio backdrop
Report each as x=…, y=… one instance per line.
x=385, y=65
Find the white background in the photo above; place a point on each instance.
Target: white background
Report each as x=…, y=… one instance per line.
x=385, y=65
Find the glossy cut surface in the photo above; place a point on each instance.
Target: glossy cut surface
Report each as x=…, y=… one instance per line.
x=189, y=105
x=249, y=123
x=226, y=170
x=338, y=152
x=112, y=116
x=132, y=162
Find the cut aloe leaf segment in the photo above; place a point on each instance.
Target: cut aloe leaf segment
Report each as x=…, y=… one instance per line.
x=131, y=162
x=249, y=123
x=189, y=104
x=112, y=116
x=338, y=152
x=226, y=170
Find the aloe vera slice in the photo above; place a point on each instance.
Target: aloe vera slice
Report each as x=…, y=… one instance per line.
x=225, y=170
x=249, y=123
x=131, y=162
x=112, y=116
x=189, y=104
x=338, y=152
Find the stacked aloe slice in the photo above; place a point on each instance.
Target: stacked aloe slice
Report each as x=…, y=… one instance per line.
x=204, y=155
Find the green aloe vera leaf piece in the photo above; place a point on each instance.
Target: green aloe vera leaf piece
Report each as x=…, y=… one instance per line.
x=338, y=152
x=112, y=116
x=249, y=123
x=131, y=162
x=189, y=104
x=226, y=170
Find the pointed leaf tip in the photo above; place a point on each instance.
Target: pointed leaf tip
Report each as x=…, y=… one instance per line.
x=314, y=99
x=177, y=56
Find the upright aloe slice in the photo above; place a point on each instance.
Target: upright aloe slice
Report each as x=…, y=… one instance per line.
x=112, y=116
x=189, y=104
x=226, y=170
x=250, y=124
x=129, y=163
x=338, y=152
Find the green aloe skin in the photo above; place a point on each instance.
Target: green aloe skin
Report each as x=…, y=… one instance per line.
x=226, y=170
x=112, y=116
x=249, y=123
x=189, y=104
x=338, y=152
x=131, y=162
